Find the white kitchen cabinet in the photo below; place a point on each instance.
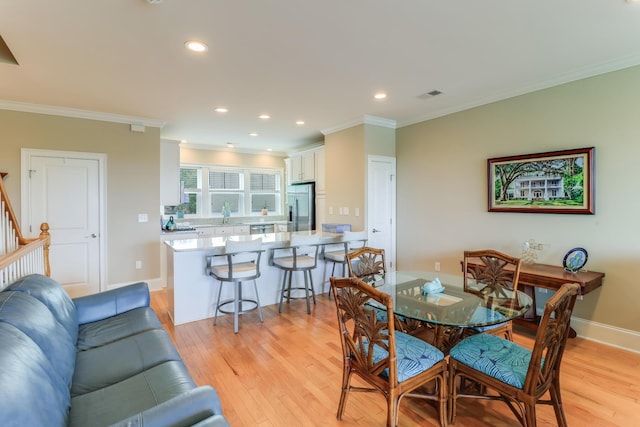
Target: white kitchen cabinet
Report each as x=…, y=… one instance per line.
x=281, y=228
x=240, y=230
x=303, y=166
x=170, y=173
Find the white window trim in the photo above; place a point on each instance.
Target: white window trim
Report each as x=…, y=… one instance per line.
x=204, y=192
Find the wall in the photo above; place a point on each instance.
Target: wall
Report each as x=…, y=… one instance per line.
x=133, y=173
x=345, y=165
x=229, y=158
x=442, y=187
x=346, y=156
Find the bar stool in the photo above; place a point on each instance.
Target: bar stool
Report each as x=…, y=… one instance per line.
x=242, y=264
x=301, y=255
x=336, y=253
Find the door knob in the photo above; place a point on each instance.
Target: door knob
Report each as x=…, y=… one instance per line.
x=375, y=230
x=93, y=236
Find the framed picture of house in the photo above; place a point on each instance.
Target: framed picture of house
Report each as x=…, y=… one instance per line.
x=552, y=182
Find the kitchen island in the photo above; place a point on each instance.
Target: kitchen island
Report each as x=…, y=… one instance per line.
x=192, y=293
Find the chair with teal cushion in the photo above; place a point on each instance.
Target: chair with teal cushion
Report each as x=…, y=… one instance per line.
x=390, y=362
x=489, y=274
x=512, y=373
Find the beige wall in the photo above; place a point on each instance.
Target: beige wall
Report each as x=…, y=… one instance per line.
x=133, y=174
x=345, y=164
x=228, y=158
x=346, y=154
x=442, y=186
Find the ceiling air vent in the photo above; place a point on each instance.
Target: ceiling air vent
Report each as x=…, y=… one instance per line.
x=431, y=94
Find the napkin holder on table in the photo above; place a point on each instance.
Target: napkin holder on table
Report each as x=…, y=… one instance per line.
x=432, y=287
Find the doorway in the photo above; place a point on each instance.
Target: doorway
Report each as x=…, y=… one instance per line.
x=66, y=190
x=381, y=206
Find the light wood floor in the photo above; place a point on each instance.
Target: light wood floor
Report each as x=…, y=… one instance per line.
x=287, y=372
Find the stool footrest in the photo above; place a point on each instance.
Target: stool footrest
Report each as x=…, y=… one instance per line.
x=241, y=302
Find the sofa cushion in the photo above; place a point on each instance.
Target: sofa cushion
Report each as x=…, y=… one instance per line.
x=31, y=394
x=51, y=294
x=131, y=396
x=111, y=363
x=115, y=328
x=33, y=318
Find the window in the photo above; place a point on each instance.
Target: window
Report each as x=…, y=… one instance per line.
x=263, y=190
x=208, y=190
x=190, y=183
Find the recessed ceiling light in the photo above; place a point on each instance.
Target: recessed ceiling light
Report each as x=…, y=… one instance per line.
x=221, y=110
x=195, y=46
x=264, y=116
x=253, y=134
x=183, y=141
x=269, y=149
x=300, y=122
x=230, y=144
x=380, y=95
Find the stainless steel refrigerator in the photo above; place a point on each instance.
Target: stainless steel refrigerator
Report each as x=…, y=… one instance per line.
x=301, y=201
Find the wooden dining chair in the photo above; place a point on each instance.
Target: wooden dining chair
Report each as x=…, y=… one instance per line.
x=489, y=274
x=366, y=262
x=388, y=361
x=512, y=373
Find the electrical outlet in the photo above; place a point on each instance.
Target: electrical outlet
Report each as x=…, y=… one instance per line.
x=437, y=266
x=330, y=210
x=138, y=265
x=356, y=211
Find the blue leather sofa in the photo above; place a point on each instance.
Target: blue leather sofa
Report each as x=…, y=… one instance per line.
x=98, y=360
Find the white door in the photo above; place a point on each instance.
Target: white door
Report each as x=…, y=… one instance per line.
x=64, y=190
x=381, y=206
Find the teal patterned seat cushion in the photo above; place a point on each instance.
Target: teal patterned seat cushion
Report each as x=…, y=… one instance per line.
x=413, y=356
x=481, y=314
x=494, y=356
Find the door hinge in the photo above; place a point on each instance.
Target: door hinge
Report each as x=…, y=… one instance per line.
x=31, y=172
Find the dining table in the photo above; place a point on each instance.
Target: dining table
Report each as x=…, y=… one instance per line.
x=436, y=307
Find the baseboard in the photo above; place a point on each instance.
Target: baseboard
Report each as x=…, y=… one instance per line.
x=607, y=334
x=154, y=284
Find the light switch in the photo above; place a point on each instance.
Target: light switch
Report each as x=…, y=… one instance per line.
x=345, y=210
x=143, y=217
x=330, y=210
x=356, y=211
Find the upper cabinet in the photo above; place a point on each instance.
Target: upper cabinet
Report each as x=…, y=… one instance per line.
x=303, y=166
x=169, y=173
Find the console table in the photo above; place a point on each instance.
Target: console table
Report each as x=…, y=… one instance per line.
x=552, y=277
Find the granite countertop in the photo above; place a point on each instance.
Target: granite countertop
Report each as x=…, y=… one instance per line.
x=269, y=240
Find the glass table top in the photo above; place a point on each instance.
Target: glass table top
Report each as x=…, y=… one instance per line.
x=452, y=306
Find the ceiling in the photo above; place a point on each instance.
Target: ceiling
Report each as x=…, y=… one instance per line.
x=319, y=61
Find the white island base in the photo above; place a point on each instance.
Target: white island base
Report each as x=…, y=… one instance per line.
x=192, y=293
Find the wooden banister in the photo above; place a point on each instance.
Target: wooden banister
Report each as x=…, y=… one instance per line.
x=20, y=256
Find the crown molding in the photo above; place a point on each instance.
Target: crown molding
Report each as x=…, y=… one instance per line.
x=79, y=114
x=379, y=121
x=366, y=119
